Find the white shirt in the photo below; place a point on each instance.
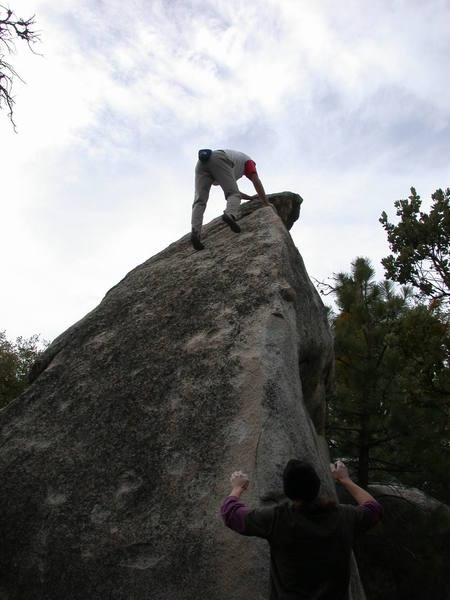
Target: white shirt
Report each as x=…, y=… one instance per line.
x=238, y=159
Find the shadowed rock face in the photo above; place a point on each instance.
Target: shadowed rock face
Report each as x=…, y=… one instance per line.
x=115, y=460
x=408, y=554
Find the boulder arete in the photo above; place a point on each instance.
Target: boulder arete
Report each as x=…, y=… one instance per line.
x=115, y=460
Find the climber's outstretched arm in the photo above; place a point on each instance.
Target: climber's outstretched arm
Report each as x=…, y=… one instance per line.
x=340, y=474
x=233, y=510
x=365, y=500
x=259, y=188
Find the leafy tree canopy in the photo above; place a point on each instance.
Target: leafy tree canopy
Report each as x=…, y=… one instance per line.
x=420, y=245
x=16, y=359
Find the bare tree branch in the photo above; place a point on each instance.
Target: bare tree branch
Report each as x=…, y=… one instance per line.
x=11, y=29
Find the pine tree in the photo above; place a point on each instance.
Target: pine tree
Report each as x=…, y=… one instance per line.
x=389, y=412
x=420, y=245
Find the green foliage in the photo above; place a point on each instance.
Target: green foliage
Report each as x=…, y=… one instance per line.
x=389, y=412
x=420, y=244
x=16, y=360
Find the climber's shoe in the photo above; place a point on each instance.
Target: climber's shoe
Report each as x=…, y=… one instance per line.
x=231, y=222
x=195, y=240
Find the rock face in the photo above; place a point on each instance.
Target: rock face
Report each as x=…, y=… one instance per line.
x=408, y=554
x=116, y=459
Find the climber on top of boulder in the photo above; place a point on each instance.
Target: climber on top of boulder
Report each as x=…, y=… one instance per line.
x=222, y=167
x=311, y=538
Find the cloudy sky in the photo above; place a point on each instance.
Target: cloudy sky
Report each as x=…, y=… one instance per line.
x=345, y=103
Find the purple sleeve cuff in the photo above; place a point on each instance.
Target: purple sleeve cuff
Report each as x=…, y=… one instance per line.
x=233, y=513
x=375, y=509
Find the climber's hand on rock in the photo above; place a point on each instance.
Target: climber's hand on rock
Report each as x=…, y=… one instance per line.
x=239, y=482
x=339, y=471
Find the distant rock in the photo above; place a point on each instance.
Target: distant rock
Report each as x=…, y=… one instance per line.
x=116, y=459
x=408, y=554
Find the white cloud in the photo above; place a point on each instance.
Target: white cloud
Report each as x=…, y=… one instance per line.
x=347, y=107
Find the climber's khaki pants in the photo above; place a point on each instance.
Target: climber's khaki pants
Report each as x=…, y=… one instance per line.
x=218, y=168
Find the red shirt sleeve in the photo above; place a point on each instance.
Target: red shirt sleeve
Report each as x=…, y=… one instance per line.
x=249, y=168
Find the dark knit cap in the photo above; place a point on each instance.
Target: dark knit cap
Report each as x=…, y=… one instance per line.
x=300, y=481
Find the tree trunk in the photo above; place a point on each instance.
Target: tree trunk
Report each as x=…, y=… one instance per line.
x=363, y=451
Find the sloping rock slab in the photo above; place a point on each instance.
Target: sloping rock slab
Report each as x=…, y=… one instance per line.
x=115, y=460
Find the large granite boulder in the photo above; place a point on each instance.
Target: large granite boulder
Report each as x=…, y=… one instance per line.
x=116, y=459
x=408, y=554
